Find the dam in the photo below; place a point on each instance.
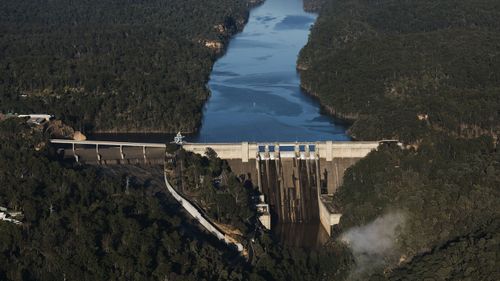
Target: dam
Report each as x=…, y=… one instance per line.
x=296, y=178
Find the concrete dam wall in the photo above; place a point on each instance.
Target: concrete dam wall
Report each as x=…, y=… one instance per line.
x=292, y=186
x=291, y=189
x=245, y=151
x=330, y=174
x=297, y=179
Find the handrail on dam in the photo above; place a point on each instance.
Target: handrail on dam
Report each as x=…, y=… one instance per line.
x=108, y=143
x=161, y=145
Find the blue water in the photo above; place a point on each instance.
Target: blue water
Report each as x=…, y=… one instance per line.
x=255, y=88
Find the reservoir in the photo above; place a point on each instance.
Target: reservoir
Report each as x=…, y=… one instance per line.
x=255, y=88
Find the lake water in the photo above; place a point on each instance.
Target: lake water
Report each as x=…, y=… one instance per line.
x=255, y=88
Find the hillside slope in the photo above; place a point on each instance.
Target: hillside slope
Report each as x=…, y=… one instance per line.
x=426, y=73
x=404, y=69
x=114, y=65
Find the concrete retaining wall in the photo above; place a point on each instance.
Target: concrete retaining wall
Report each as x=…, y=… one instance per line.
x=191, y=209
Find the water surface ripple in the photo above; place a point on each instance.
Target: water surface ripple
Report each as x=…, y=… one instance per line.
x=255, y=88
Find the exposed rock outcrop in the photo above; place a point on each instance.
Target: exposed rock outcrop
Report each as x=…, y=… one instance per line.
x=57, y=129
x=79, y=136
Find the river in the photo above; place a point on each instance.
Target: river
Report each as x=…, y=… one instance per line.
x=255, y=88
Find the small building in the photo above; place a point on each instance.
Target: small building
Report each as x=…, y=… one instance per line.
x=36, y=119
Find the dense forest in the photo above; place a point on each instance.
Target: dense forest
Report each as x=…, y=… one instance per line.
x=426, y=73
x=404, y=69
x=104, y=65
x=313, y=5
x=80, y=224
x=84, y=223
x=447, y=193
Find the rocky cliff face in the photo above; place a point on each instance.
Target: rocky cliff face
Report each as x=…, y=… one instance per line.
x=228, y=28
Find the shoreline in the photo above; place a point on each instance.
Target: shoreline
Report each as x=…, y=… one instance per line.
x=252, y=4
x=340, y=118
x=343, y=119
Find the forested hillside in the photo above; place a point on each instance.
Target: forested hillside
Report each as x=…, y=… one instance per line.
x=403, y=69
x=313, y=5
x=426, y=73
x=107, y=65
x=84, y=223
x=448, y=194
x=79, y=224
x=209, y=183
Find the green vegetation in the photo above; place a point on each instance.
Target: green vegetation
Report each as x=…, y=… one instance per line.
x=470, y=257
x=81, y=223
x=384, y=63
x=448, y=191
x=106, y=65
x=313, y=5
x=209, y=182
x=426, y=73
